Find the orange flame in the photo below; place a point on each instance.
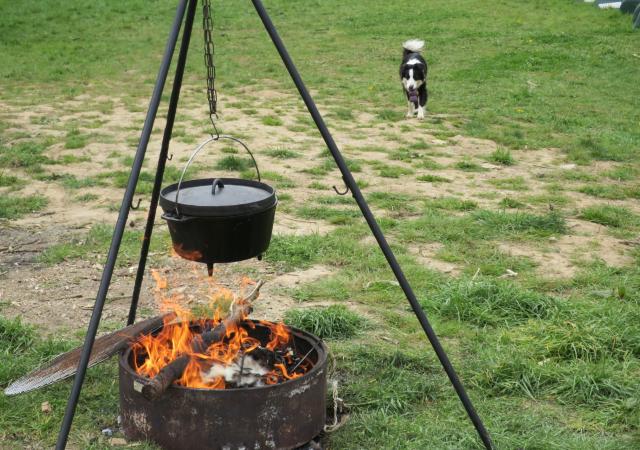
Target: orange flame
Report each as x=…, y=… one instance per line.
x=180, y=332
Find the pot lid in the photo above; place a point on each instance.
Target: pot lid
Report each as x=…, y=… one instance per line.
x=227, y=197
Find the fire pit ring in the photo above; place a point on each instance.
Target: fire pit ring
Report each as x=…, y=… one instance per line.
x=279, y=416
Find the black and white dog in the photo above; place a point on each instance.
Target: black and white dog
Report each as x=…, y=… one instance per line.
x=413, y=73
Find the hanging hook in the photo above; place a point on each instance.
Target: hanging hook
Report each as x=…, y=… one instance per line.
x=215, y=128
x=137, y=204
x=170, y=157
x=345, y=192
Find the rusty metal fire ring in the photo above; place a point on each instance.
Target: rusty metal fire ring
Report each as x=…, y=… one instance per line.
x=279, y=416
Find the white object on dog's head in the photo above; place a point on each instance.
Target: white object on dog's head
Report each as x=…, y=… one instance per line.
x=414, y=45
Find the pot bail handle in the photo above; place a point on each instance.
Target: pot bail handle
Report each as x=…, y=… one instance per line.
x=195, y=153
x=216, y=182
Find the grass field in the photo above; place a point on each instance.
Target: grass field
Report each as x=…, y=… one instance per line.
x=513, y=207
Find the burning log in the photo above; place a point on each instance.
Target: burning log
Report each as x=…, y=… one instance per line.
x=282, y=415
x=174, y=370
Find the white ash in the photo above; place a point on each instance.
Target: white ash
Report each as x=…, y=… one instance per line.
x=252, y=372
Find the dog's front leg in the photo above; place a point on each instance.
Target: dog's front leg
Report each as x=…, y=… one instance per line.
x=411, y=110
x=424, y=95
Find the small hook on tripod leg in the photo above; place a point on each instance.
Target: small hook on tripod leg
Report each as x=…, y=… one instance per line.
x=345, y=192
x=170, y=157
x=137, y=204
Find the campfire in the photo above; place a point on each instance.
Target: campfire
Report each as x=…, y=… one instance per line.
x=227, y=380
x=212, y=353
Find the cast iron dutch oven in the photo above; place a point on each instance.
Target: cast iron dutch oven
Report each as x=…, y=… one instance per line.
x=219, y=220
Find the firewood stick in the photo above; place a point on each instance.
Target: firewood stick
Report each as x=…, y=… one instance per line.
x=174, y=370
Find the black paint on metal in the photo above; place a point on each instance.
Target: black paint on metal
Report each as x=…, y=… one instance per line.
x=279, y=416
x=373, y=225
x=162, y=158
x=119, y=228
x=234, y=225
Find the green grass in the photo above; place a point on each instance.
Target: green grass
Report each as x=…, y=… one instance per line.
x=332, y=322
x=405, y=154
x=282, y=153
x=343, y=113
x=10, y=181
x=75, y=139
x=289, y=252
x=428, y=163
x=75, y=183
x=71, y=159
x=233, y=163
x=280, y=180
x=354, y=165
x=22, y=421
x=15, y=207
x=397, y=203
x=521, y=222
x=609, y=215
x=502, y=156
x=334, y=200
x=419, y=144
x=433, y=179
x=95, y=244
x=317, y=186
x=510, y=184
x=388, y=171
x=389, y=115
x=552, y=199
x=623, y=173
x=469, y=166
x=514, y=89
x=510, y=203
x=322, y=169
x=272, y=121
x=478, y=225
x=25, y=155
x=452, y=204
x=86, y=198
x=549, y=364
x=608, y=191
x=120, y=178
x=489, y=302
x=229, y=150
x=331, y=215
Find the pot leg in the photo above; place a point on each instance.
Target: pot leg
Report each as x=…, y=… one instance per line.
x=210, y=269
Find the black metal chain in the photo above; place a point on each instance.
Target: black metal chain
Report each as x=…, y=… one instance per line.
x=209, y=50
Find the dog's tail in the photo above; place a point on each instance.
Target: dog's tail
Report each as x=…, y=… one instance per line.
x=413, y=46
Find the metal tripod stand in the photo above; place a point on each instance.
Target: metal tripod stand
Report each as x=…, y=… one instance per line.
x=186, y=12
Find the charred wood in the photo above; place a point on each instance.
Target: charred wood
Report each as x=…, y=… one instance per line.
x=174, y=370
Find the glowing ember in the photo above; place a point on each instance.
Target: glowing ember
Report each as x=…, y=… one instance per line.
x=240, y=359
x=191, y=255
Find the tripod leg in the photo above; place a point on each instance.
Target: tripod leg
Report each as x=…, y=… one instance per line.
x=373, y=225
x=162, y=158
x=119, y=229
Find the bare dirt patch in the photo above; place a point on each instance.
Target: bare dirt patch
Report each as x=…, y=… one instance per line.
x=289, y=225
x=60, y=298
x=274, y=302
x=425, y=254
x=559, y=258
x=550, y=263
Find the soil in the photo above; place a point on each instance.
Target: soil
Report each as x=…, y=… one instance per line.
x=60, y=298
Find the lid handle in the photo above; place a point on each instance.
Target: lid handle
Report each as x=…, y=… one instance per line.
x=216, y=182
x=198, y=149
